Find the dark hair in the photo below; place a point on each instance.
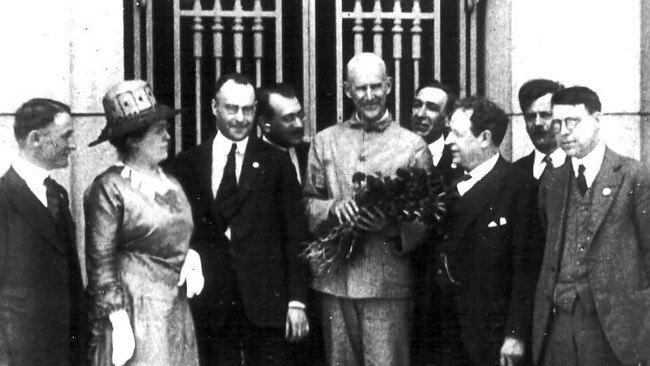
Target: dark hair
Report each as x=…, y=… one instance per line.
x=576, y=95
x=264, y=108
x=121, y=143
x=486, y=116
x=238, y=78
x=448, y=108
x=535, y=89
x=35, y=114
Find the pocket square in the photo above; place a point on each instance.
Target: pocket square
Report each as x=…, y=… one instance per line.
x=492, y=224
x=502, y=221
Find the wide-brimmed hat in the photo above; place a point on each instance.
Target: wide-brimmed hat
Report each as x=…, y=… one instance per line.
x=130, y=105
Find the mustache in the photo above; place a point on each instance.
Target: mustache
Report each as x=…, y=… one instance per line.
x=540, y=131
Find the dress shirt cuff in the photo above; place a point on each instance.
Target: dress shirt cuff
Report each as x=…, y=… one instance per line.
x=297, y=305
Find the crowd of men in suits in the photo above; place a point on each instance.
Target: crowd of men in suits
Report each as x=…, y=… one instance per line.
x=543, y=261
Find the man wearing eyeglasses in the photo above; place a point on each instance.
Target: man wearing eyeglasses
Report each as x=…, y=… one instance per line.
x=535, y=102
x=593, y=297
x=248, y=228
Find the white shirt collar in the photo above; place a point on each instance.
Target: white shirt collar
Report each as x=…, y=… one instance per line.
x=557, y=159
x=265, y=139
x=477, y=174
x=34, y=176
x=437, y=147
x=592, y=163
x=222, y=144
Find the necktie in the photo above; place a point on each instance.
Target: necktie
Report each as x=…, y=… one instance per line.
x=227, y=193
x=582, y=181
x=463, y=178
x=549, y=164
x=54, y=199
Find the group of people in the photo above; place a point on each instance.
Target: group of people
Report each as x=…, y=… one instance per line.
x=196, y=260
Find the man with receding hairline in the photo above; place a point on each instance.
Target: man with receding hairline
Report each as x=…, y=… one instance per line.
x=366, y=305
x=42, y=313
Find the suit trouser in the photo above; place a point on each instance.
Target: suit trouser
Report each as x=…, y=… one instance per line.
x=576, y=338
x=366, y=332
x=239, y=341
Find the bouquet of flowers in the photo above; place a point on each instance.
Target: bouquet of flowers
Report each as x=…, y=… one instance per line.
x=411, y=194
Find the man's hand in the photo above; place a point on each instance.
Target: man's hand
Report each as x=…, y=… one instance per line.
x=192, y=274
x=297, y=326
x=345, y=209
x=122, y=338
x=512, y=352
x=371, y=219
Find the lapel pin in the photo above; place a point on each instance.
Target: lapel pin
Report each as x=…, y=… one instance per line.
x=606, y=191
x=256, y=165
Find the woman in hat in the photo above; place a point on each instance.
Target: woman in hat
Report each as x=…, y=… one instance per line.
x=138, y=226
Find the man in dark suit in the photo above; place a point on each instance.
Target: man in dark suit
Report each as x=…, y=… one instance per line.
x=432, y=108
x=485, y=254
x=41, y=290
x=281, y=118
x=592, y=302
x=535, y=102
x=249, y=225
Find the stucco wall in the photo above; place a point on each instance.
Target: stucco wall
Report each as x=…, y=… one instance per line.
x=596, y=43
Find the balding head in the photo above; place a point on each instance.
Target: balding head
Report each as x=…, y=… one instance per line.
x=364, y=61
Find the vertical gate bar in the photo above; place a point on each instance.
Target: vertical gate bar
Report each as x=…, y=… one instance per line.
x=339, y=61
x=358, y=27
x=278, y=41
x=258, y=30
x=178, y=133
x=198, y=55
x=377, y=29
x=312, y=67
x=462, y=50
x=473, y=52
x=416, y=36
x=397, y=53
x=217, y=37
x=437, y=47
x=238, y=35
x=149, y=57
x=306, y=77
x=137, y=41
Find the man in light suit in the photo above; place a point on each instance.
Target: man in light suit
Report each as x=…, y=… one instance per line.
x=366, y=304
x=42, y=314
x=535, y=102
x=485, y=257
x=249, y=225
x=592, y=305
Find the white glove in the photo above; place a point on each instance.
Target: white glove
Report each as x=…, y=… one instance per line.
x=123, y=341
x=192, y=274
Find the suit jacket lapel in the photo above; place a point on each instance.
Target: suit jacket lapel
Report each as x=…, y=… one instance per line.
x=556, y=205
x=204, y=166
x=473, y=201
x=33, y=210
x=605, y=189
x=251, y=167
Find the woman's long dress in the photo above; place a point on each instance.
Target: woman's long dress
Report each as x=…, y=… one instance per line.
x=137, y=236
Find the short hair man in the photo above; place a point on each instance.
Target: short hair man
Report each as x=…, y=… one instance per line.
x=484, y=256
x=535, y=102
x=432, y=108
x=281, y=118
x=591, y=306
x=42, y=314
x=365, y=305
x=249, y=224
